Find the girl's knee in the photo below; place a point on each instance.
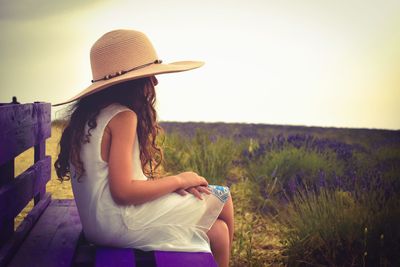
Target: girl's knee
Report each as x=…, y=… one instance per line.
x=219, y=235
x=227, y=210
x=229, y=201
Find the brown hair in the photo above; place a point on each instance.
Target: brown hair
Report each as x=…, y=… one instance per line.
x=139, y=96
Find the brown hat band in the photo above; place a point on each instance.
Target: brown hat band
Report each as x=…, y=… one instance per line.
x=121, y=72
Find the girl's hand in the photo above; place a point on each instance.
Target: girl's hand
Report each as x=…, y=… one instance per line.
x=195, y=190
x=192, y=179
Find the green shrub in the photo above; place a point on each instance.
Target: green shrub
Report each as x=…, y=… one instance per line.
x=209, y=158
x=277, y=170
x=174, y=152
x=337, y=228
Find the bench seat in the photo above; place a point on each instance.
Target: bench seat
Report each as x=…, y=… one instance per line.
x=57, y=240
x=52, y=241
x=51, y=234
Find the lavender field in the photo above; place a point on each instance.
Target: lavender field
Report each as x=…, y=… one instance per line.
x=304, y=196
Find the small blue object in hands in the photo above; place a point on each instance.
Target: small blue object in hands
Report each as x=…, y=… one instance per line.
x=221, y=192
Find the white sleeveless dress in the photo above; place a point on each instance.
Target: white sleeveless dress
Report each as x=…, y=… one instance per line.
x=169, y=223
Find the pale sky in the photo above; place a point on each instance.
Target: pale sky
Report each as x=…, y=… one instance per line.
x=312, y=62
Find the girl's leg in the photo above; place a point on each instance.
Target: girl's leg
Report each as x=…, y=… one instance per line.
x=219, y=239
x=221, y=234
x=227, y=216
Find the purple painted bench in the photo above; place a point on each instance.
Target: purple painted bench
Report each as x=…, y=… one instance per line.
x=51, y=234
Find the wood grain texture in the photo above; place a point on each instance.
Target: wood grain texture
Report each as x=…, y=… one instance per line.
x=110, y=257
x=124, y=257
x=192, y=259
x=21, y=127
x=53, y=240
x=6, y=223
x=40, y=154
x=7, y=171
x=12, y=245
x=15, y=195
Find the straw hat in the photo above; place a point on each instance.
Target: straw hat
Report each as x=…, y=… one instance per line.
x=124, y=55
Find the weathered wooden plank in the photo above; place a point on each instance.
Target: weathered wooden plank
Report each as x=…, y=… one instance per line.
x=106, y=256
x=7, y=171
x=64, y=243
x=40, y=151
x=53, y=240
x=15, y=116
x=113, y=257
x=192, y=259
x=15, y=195
x=9, y=248
x=39, y=154
x=21, y=127
x=6, y=224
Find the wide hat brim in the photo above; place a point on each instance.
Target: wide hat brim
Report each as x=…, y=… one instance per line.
x=151, y=70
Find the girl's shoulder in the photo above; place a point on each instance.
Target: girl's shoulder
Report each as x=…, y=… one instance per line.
x=122, y=128
x=120, y=116
x=115, y=113
x=113, y=109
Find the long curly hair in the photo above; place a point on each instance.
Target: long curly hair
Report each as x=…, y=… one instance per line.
x=138, y=95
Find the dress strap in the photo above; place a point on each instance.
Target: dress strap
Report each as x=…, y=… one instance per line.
x=96, y=134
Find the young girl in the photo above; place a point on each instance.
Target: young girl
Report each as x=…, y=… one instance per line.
x=109, y=151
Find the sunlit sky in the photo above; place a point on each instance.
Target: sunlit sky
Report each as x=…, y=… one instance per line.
x=311, y=62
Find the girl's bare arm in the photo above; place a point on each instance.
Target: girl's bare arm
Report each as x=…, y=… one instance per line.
x=124, y=189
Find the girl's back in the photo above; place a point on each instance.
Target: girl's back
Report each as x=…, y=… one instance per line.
x=91, y=191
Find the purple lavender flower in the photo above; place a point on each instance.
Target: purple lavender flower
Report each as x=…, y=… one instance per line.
x=322, y=179
x=291, y=186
